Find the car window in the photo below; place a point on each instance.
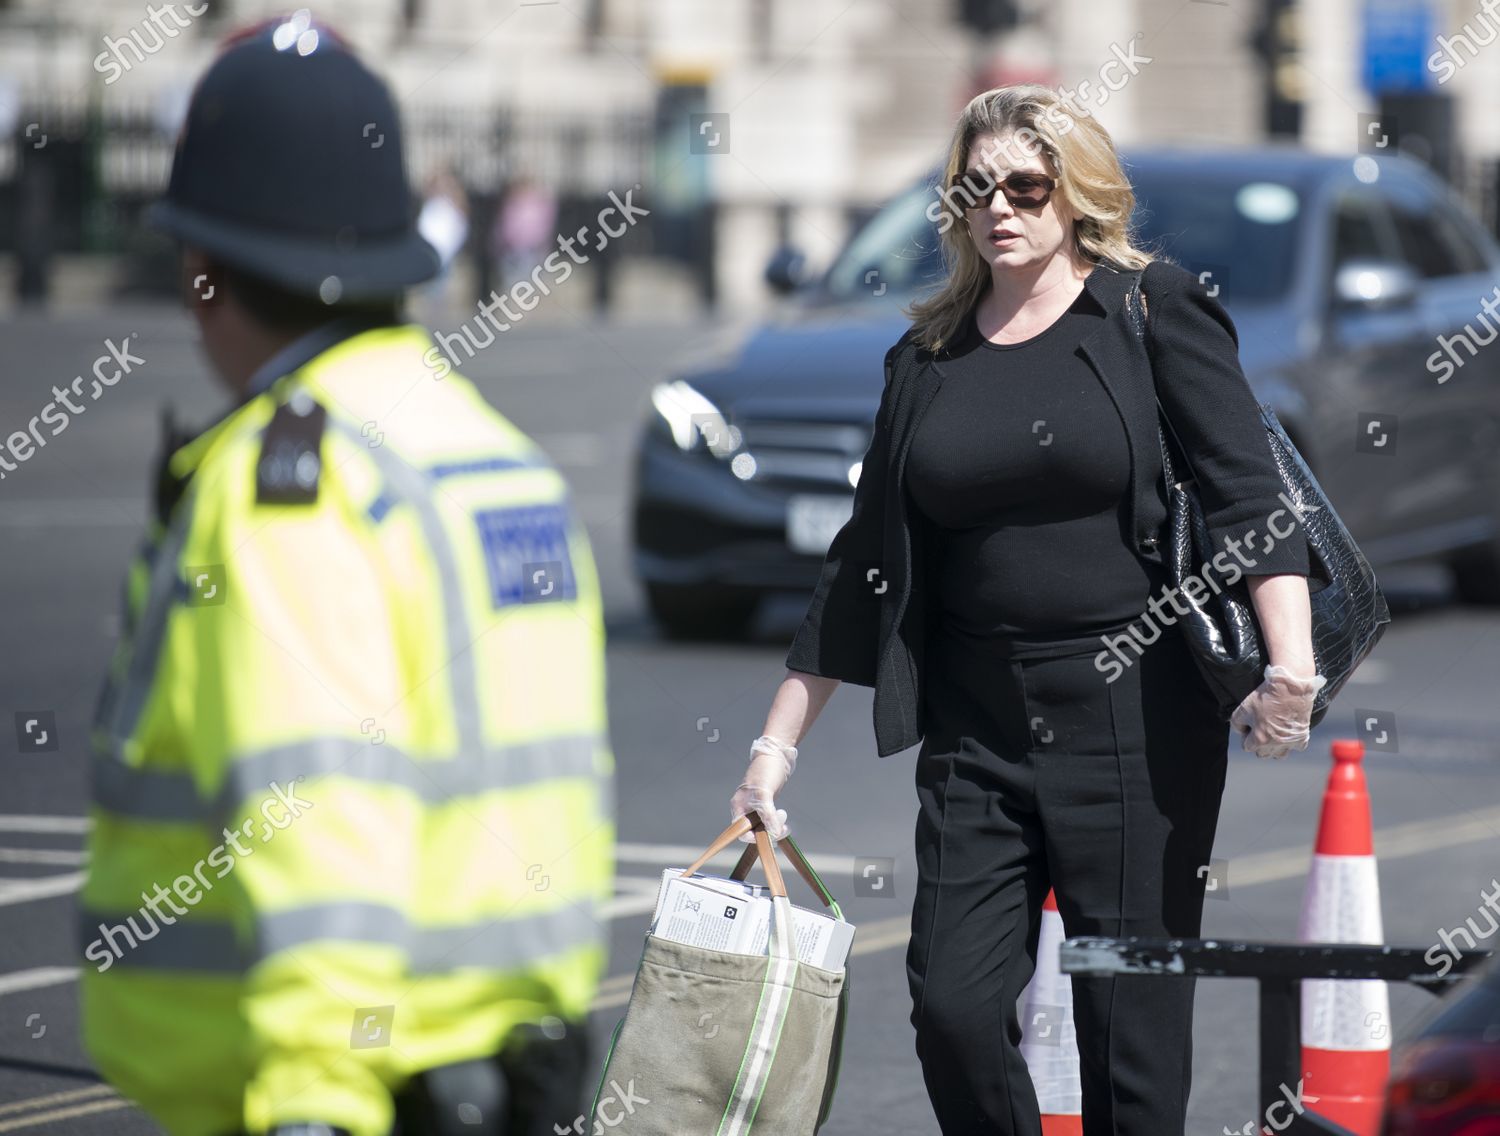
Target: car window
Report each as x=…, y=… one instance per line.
x=1470, y=235
x=1357, y=222
x=896, y=250
x=1432, y=242
x=1242, y=230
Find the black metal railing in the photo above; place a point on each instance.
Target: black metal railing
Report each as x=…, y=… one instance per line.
x=1279, y=969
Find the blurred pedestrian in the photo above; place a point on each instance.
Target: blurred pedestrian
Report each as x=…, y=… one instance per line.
x=525, y=228
x=1007, y=523
x=352, y=793
x=444, y=217
x=444, y=224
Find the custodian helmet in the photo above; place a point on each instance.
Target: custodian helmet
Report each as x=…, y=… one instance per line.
x=289, y=166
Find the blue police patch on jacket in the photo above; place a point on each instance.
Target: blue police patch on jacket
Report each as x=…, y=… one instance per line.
x=526, y=554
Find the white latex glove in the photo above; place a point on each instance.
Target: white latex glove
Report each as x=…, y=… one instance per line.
x=1273, y=719
x=771, y=763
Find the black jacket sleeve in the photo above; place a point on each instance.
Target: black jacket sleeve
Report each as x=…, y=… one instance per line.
x=839, y=634
x=1209, y=403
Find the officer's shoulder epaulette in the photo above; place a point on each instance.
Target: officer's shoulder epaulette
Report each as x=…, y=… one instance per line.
x=291, y=459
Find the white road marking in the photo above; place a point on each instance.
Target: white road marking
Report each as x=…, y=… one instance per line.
x=623, y=905
x=69, y=1097
x=637, y=885
x=105, y=1104
x=42, y=856
x=48, y=887
x=19, y=981
x=45, y=824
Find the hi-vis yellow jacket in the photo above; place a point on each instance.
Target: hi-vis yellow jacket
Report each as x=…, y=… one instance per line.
x=353, y=791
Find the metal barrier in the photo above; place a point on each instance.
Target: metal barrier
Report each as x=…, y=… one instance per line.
x=1279, y=969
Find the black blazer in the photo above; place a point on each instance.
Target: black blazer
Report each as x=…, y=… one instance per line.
x=866, y=623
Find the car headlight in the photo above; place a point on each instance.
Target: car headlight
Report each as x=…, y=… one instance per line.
x=693, y=419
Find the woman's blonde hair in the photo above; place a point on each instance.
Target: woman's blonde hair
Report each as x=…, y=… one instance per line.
x=1090, y=178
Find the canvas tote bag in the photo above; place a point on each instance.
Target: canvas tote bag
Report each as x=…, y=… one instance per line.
x=716, y=1043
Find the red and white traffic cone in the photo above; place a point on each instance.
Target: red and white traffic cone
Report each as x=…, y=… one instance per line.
x=1346, y=1034
x=1049, y=1040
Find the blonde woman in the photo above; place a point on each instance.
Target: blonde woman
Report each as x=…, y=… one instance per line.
x=1001, y=586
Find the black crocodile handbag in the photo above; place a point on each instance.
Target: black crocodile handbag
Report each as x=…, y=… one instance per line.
x=1349, y=612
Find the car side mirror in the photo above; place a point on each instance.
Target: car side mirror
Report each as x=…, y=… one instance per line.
x=787, y=270
x=1371, y=284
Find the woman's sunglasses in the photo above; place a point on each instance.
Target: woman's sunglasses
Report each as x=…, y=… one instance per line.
x=975, y=189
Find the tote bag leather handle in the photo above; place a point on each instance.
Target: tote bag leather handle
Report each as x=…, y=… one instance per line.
x=762, y=847
x=764, y=851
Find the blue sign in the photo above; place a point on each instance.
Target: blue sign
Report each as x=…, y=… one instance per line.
x=1397, y=41
x=526, y=551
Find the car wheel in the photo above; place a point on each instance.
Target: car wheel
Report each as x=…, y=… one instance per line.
x=698, y=612
x=1476, y=575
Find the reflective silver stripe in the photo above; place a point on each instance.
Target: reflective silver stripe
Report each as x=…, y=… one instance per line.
x=185, y=944
x=497, y=944
x=505, y=767
x=143, y=794
x=507, y=944
x=408, y=484
x=190, y=944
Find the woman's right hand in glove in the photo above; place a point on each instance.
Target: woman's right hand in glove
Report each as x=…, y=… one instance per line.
x=771, y=763
x=1274, y=717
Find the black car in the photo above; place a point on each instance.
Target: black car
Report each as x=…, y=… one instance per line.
x=1356, y=284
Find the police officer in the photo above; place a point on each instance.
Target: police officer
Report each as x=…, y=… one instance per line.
x=353, y=798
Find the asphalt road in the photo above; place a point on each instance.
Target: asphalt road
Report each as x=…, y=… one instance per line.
x=681, y=719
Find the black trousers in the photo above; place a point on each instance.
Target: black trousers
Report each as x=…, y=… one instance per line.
x=1037, y=773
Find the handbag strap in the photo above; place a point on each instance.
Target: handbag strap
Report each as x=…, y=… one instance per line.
x=1168, y=466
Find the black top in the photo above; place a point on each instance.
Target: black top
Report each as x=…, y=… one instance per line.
x=1020, y=472
x=878, y=637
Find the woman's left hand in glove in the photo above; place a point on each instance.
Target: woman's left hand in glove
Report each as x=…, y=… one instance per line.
x=1274, y=717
